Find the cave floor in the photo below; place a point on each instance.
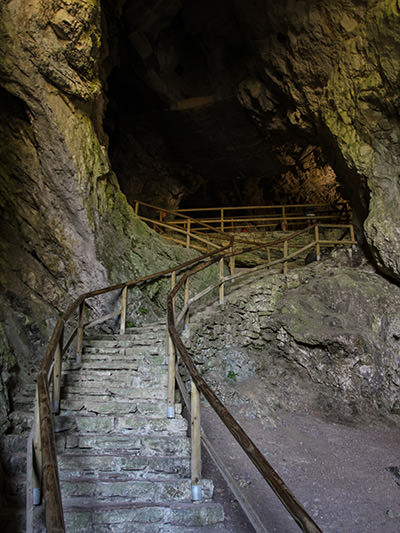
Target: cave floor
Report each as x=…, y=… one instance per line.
x=338, y=472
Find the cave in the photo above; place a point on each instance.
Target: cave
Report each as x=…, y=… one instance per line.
x=185, y=104
x=180, y=109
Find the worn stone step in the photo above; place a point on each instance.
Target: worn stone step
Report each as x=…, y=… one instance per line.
x=125, y=466
x=150, y=490
x=95, y=358
x=140, y=408
x=140, y=518
x=132, y=424
x=131, y=377
x=149, y=445
x=128, y=341
x=134, y=388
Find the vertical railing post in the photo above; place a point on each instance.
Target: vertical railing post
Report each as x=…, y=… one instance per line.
x=171, y=364
x=317, y=245
x=221, y=283
x=188, y=234
x=136, y=208
x=186, y=300
x=37, y=455
x=124, y=303
x=196, y=444
x=284, y=221
x=352, y=235
x=232, y=262
x=285, y=254
x=222, y=220
x=79, y=340
x=57, y=374
x=268, y=254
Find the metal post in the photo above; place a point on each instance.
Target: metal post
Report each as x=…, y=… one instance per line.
x=196, y=444
x=221, y=283
x=79, y=341
x=124, y=300
x=57, y=374
x=222, y=220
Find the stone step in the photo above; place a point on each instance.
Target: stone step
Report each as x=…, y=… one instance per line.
x=130, y=377
x=129, y=352
x=96, y=358
x=87, y=406
x=139, y=518
x=130, y=424
x=130, y=342
x=132, y=491
x=149, y=445
x=132, y=394
x=122, y=466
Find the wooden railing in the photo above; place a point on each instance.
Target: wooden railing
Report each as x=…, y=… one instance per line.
x=264, y=217
x=43, y=469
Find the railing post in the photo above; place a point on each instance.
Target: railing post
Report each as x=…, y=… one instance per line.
x=171, y=364
x=196, y=444
x=124, y=301
x=284, y=221
x=186, y=300
x=79, y=340
x=136, y=208
x=55, y=407
x=37, y=455
x=188, y=234
x=352, y=235
x=232, y=262
x=222, y=220
x=268, y=254
x=221, y=283
x=285, y=254
x=317, y=245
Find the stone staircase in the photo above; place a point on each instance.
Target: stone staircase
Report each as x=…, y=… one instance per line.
x=124, y=466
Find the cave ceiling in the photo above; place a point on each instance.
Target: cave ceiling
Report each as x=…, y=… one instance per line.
x=181, y=115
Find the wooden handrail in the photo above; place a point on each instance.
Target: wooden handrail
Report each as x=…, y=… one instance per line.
x=44, y=455
x=295, y=509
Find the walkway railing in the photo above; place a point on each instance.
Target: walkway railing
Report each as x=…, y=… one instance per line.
x=265, y=217
x=43, y=471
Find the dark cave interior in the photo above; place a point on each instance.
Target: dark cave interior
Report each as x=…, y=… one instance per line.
x=177, y=130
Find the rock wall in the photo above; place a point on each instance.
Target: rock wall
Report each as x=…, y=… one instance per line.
x=322, y=339
x=329, y=71
x=66, y=228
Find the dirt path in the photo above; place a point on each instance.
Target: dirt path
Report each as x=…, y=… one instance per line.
x=337, y=472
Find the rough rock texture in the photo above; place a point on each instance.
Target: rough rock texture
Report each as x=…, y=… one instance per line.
x=306, y=74
x=65, y=225
x=324, y=338
x=336, y=66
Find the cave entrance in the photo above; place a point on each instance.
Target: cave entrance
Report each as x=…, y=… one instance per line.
x=181, y=133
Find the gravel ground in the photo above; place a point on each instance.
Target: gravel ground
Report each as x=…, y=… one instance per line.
x=338, y=472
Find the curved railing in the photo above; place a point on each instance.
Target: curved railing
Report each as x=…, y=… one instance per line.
x=44, y=471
